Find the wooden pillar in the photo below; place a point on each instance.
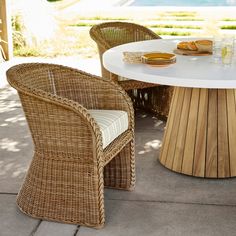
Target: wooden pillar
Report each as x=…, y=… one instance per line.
x=5, y=28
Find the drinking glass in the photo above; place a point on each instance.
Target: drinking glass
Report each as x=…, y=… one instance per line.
x=227, y=50
x=216, y=49
x=234, y=52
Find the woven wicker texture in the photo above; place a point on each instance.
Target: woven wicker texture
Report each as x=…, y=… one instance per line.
x=133, y=57
x=65, y=181
x=111, y=34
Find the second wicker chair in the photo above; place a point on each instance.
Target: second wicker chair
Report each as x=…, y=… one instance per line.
x=149, y=96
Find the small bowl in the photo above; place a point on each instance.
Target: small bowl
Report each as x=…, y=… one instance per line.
x=158, y=58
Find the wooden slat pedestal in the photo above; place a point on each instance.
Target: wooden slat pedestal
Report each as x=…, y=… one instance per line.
x=200, y=137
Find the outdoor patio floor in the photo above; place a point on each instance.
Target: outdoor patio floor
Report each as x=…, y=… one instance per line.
x=163, y=202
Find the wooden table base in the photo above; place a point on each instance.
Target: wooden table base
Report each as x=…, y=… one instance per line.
x=200, y=137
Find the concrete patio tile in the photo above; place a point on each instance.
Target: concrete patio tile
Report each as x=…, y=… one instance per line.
x=148, y=122
x=156, y=183
x=9, y=101
x=131, y=218
x=12, y=221
x=8, y=94
x=16, y=149
x=47, y=228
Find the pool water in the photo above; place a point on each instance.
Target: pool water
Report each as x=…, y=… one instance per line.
x=184, y=3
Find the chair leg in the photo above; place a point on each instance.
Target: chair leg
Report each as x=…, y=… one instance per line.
x=119, y=173
x=65, y=191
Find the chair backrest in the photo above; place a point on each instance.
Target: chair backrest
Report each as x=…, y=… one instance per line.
x=48, y=93
x=111, y=34
x=42, y=79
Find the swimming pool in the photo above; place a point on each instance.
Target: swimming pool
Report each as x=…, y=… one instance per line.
x=183, y=3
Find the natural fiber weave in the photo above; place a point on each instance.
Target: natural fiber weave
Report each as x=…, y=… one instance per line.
x=111, y=34
x=133, y=57
x=65, y=181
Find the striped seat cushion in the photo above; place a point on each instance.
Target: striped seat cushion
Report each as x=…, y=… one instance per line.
x=111, y=122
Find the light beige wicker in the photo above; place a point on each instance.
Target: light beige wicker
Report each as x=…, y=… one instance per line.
x=111, y=34
x=66, y=178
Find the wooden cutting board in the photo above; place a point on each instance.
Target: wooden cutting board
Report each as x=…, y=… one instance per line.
x=191, y=53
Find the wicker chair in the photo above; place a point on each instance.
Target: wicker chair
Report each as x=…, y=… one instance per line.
x=110, y=34
x=66, y=178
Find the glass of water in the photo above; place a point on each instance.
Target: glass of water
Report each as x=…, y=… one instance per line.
x=227, y=50
x=216, y=49
x=234, y=52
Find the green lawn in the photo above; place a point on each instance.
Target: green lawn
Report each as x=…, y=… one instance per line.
x=74, y=38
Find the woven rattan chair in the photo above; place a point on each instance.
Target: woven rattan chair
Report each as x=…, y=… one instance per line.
x=66, y=178
x=111, y=34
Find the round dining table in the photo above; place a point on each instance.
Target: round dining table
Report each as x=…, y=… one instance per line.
x=200, y=135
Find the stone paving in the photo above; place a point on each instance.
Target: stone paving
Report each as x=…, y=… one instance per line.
x=163, y=202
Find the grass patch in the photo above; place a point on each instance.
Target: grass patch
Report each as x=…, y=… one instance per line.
x=161, y=18
x=229, y=19
x=180, y=14
x=175, y=26
x=82, y=24
x=103, y=18
x=27, y=51
x=87, y=24
x=177, y=19
x=172, y=33
x=228, y=27
x=71, y=44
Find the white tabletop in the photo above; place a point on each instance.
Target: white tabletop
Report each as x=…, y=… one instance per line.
x=188, y=71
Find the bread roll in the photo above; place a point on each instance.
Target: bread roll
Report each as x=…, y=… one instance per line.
x=204, y=45
x=190, y=45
